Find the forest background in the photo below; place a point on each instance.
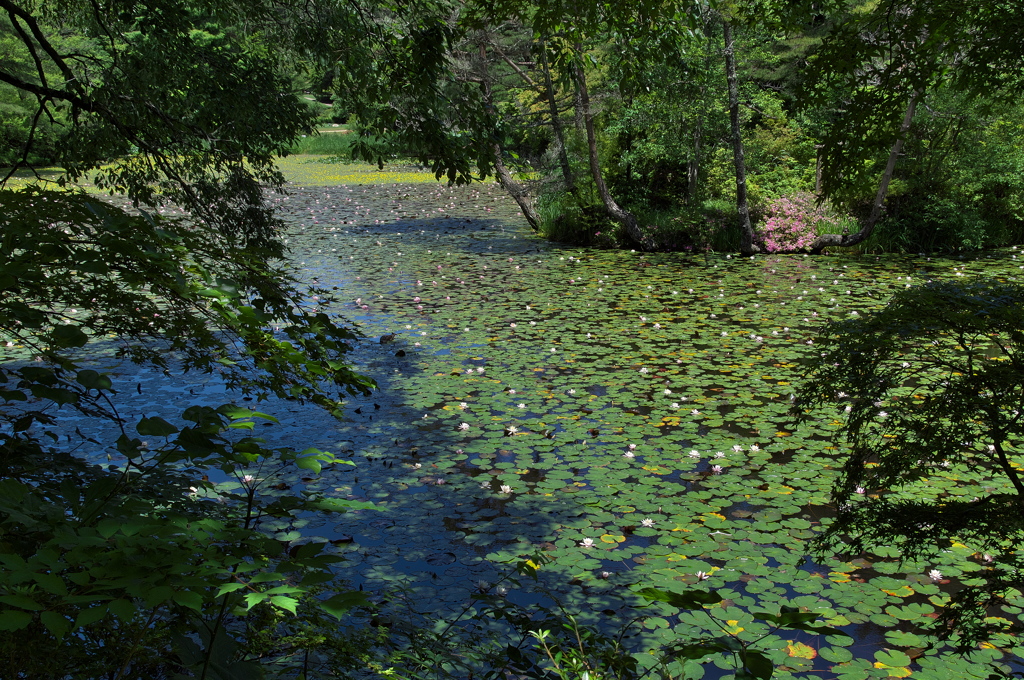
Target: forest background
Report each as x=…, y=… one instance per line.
x=742, y=126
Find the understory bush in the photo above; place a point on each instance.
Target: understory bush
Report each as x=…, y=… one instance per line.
x=792, y=223
x=565, y=219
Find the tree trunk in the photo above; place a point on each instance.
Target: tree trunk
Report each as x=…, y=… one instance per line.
x=693, y=165
x=616, y=212
x=747, y=246
x=515, y=189
x=833, y=240
x=556, y=121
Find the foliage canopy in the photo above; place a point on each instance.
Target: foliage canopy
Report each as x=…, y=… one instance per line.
x=933, y=382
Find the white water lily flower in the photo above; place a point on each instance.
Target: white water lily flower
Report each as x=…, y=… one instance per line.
x=694, y=453
x=647, y=522
x=505, y=488
x=935, y=575
x=463, y=426
x=702, y=575
x=587, y=543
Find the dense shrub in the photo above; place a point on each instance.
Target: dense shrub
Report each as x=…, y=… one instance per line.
x=793, y=222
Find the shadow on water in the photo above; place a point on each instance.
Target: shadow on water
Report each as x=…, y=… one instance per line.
x=487, y=317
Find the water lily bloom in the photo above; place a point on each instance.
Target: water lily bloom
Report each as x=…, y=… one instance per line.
x=248, y=479
x=463, y=405
x=647, y=522
x=719, y=454
x=694, y=453
x=505, y=488
x=511, y=325
x=675, y=404
x=587, y=543
x=463, y=426
x=643, y=370
x=629, y=454
x=860, y=490
x=702, y=575
x=935, y=575
x=695, y=412
x=716, y=469
x=755, y=447
x=522, y=406
x=512, y=429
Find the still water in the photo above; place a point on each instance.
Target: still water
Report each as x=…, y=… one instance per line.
x=626, y=415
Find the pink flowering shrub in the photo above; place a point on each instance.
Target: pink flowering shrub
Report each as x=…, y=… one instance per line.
x=792, y=223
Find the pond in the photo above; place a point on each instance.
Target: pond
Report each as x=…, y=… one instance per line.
x=624, y=414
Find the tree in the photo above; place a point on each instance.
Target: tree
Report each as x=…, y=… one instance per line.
x=930, y=392
x=747, y=246
x=884, y=61
x=143, y=566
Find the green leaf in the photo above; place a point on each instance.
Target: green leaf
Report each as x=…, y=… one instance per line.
x=188, y=598
x=69, y=336
x=340, y=505
x=759, y=665
x=89, y=616
x=691, y=599
x=229, y=588
x=155, y=427
x=123, y=609
x=93, y=380
x=892, y=657
x=12, y=619
x=23, y=601
x=697, y=650
x=55, y=623
x=284, y=602
x=309, y=463
x=340, y=603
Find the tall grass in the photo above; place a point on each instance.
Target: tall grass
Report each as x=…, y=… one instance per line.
x=325, y=144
